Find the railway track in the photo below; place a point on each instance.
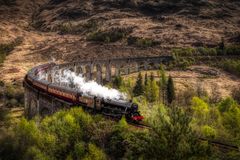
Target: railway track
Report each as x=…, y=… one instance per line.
x=222, y=146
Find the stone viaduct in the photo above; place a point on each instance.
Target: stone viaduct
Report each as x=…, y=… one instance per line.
x=39, y=102
x=103, y=70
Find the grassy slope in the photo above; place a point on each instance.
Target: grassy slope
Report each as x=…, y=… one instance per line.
x=170, y=24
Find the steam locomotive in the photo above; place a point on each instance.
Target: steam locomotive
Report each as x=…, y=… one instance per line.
x=107, y=107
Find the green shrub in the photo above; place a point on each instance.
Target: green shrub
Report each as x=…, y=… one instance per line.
x=118, y=82
x=66, y=28
x=14, y=95
x=230, y=111
x=208, y=132
x=113, y=35
x=5, y=49
x=79, y=150
x=232, y=66
x=232, y=50
x=36, y=154
x=179, y=52
x=200, y=110
x=226, y=104
x=93, y=152
x=7, y=2
x=4, y=114
x=142, y=42
x=207, y=51
x=60, y=136
x=236, y=94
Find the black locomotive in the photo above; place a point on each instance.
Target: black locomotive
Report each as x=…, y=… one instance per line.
x=112, y=108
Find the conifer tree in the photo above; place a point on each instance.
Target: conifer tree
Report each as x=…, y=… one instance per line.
x=145, y=79
x=138, y=89
x=154, y=91
x=163, y=76
x=151, y=90
x=147, y=91
x=162, y=83
x=152, y=77
x=146, y=85
x=170, y=90
x=118, y=82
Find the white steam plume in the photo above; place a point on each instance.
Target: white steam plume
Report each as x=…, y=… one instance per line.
x=88, y=88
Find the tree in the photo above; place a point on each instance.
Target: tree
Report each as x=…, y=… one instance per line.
x=171, y=136
x=59, y=136
x=138, y=89
x=162, y=83
x=118, y=82
x=148, y=90
x=94, y=153
x=145, y=79
x=230, y=112
x=170, y=91
x=151, y=90
x=200, y=110
x=154, y=91
x=116, y=146
x=208, y=132
x=151, y=77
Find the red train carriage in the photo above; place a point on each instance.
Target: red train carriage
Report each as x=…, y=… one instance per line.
x=63, y=93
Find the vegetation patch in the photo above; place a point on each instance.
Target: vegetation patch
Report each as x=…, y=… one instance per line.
x=5, y=49
x=229, y=50
x=11, y=95
x=232, y=66
x=74, y=134
x=142, y=42
x=185, y=57
x=70, y=28
x=114, y=35
x=175, y=125
x=7, y=2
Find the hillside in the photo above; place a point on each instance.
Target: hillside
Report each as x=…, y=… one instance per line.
x=70, y=30
x=171, y=23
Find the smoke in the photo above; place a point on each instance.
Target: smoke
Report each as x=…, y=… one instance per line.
x=88, y=88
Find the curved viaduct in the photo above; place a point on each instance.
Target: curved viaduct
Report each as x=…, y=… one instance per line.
x=39, y=102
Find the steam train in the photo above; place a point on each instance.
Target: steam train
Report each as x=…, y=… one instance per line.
x=112, y=108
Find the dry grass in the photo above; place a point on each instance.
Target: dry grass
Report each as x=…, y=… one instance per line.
x=208, y=77
x=171, y=29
